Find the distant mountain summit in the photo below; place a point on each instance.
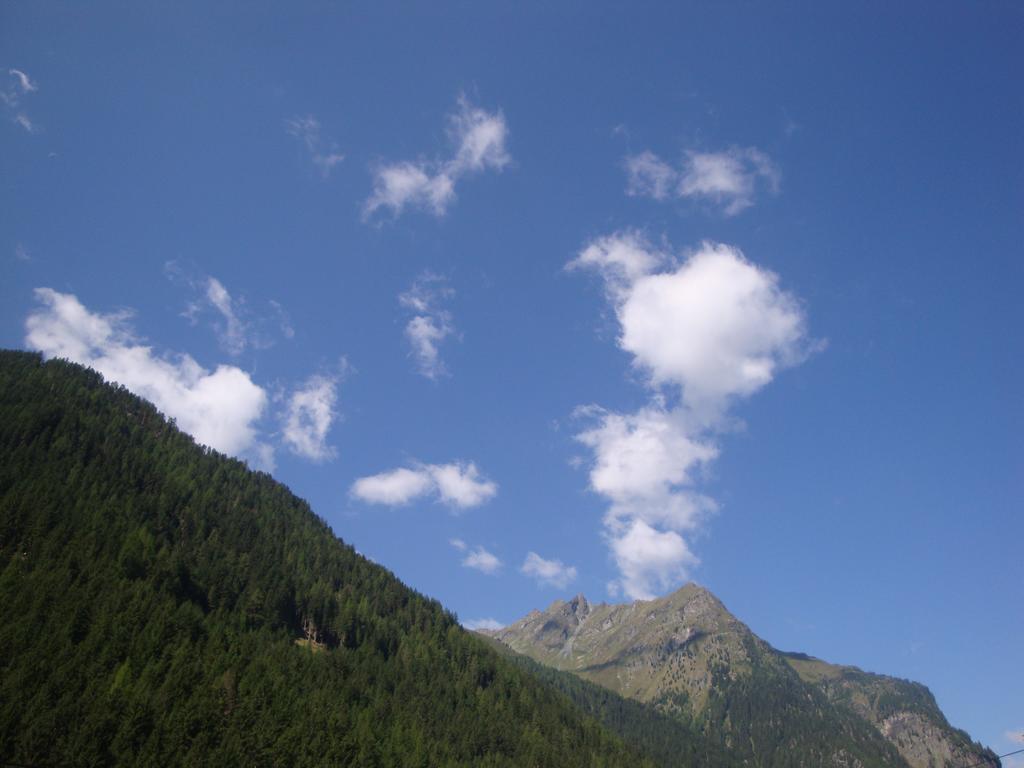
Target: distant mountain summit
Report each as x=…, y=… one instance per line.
x=688, y=657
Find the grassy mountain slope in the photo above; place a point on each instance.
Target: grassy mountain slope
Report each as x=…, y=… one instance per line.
x=904, y=711
x=659, y=737
x=164, y=605
x=687, y=656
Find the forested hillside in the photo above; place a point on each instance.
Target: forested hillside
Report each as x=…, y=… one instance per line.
x=165, y=605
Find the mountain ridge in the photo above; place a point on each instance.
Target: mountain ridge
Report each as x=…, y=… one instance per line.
x=688, y=656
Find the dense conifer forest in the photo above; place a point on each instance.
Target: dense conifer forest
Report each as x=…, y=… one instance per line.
x=164, y=605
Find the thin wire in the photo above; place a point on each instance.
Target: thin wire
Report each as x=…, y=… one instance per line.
x=988, y=761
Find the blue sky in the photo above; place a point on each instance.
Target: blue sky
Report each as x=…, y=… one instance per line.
x=529, y=301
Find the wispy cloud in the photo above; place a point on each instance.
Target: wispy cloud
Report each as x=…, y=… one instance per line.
x=310, y=411
x=458, y=484
x=704, y=331
x=479, y=139
x=18, y=86
x=324, y=153
x=218, y=408
x=728, y=179
x=474, y=624
x=553, y=573
x=237, y=326
x=430, y=324
x=478, y=558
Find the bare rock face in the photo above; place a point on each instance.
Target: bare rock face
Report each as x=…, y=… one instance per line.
x=688, y=656
x=645, y=650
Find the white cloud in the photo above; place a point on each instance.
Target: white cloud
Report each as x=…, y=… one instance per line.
x=424, y=333
x=479, y=138
x=621, y=259
x=717, y=327
x=643, y=464
x=25, y=122
x=552, y=573
x=409, y=184
x=457, y=484
x=460, y=484
x=477, y=557
x=324, y=154
x=430, y=325
x=1017, y=736
x=394, y=488
x=308, y=417
x=728, y=179
x=474, y=624
x=650, y=560
x=19, y=85
x=705, y=331
x=24, y=81
x=649, y=176
x=481, y=560
x=218, y=408
x=232, y=331
x=21, y=253
x=235, y=324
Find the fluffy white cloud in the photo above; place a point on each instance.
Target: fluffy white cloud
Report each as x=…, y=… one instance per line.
x=474, y=624
x=308, y=416
x=643, y=464
x=431, y=324
x=324, y=154
x=650, y=560
x=553, y=573
x=718, y=326
x=479, y=138
x=705, y=330
x=393, y=488
x=460, y=484
x=457, y=484
x=218, y=408
x=481, y=560
x=728, y=179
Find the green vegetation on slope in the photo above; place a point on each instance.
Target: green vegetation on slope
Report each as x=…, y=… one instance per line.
x=905, y=710
x=662, y=738
x=164, y=605
x=686, y=656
